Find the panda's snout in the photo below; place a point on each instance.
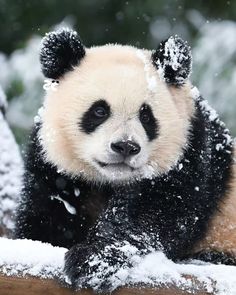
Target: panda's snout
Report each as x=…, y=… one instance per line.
x=126, y=148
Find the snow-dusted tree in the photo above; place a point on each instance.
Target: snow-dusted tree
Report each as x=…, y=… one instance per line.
x=214, y=58
x=10, y=172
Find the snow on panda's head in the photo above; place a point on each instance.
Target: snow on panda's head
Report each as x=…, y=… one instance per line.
x=113, y=116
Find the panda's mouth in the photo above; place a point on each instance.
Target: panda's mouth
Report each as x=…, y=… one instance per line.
x=119, y=165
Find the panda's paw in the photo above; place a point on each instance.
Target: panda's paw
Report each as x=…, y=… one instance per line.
x=93, y=266
x=76, y=265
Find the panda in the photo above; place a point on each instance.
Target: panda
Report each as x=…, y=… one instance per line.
x=126, y=158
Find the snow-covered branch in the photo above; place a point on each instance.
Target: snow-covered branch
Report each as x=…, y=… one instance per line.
x=10, y=172
x=35, y=266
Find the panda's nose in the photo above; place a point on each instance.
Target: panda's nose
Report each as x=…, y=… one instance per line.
x=126, y=148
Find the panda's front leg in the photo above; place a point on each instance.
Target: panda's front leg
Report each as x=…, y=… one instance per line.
x=99, y=266
x=113, y=245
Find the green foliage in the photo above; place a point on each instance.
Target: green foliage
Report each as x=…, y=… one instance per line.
x=15, y=89
x=100, y=21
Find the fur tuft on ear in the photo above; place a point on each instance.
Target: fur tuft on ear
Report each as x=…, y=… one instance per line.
x=173, y=60
x=60, y=52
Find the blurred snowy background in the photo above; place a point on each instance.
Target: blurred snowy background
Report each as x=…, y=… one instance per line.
x=209, y=27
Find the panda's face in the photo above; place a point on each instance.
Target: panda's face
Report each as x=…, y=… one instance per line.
x=113, y=119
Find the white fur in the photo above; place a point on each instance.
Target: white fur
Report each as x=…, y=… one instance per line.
x=120, y=76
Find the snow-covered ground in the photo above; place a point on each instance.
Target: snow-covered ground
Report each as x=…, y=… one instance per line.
x=26, y=257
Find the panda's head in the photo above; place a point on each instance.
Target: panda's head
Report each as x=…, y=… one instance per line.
x=117, y=113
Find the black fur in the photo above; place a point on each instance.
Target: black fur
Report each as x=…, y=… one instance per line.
x=169, y=213
x=166, y=56
x=148, y=121
x=90, y=120
x=42, y=217
x=61, y=51
x=215, y=257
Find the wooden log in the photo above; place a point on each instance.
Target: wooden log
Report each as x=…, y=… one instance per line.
x=36, y=286
x=31, y=286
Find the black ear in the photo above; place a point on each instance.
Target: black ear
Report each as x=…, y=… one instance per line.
x=60, y=52
x=174, y=60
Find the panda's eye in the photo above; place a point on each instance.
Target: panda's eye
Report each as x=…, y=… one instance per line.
x=100, y=112
x=95, y=116
x=148, y=121
x=145, y=117
x=145, y=114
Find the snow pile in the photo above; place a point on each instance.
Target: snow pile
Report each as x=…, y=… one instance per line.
x=26, y=257
x=215, y=68
x=10, y=176
x=156, y=269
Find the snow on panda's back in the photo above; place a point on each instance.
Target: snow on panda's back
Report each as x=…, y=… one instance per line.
x=115, y=96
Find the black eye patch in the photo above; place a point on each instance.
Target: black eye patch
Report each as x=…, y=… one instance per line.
x=148, y=121
x=97, y=114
